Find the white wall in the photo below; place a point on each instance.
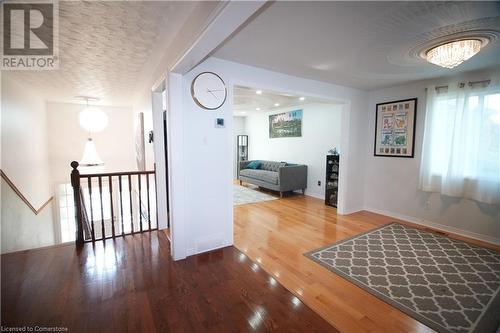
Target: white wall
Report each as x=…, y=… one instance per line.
x=391, y=183
x=25, y=162
x=66, y=139
x=25, y=140
x=238, y=129
x=144, y=105
x=21, y=228
x=201, y=156
x=320, y=132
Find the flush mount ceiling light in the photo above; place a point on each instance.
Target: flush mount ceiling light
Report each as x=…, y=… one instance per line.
x=259, y=92
x=453, y=53
x=276, y=104
x=302, y=98
x=452, y=50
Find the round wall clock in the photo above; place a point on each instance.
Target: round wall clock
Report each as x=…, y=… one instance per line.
x=209, y=90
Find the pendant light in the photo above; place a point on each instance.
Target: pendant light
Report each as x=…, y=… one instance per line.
x=93, y=120
x=90, y=156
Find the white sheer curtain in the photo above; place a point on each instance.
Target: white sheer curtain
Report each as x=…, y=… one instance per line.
x=461, y=149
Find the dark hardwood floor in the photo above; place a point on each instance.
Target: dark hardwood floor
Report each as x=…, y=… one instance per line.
x=133, y=285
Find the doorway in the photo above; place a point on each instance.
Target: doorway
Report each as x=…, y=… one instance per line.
x=281, y=143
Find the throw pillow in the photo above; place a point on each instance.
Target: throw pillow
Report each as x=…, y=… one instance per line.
x=253, y=165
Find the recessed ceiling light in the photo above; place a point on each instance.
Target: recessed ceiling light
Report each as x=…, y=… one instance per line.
x=276, y=104
x=243, y=112
x=453, y=53
x=302, y=98
x=258, y=109
x=259, y=92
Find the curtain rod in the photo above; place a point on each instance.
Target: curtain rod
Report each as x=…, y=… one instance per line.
x=462, y=84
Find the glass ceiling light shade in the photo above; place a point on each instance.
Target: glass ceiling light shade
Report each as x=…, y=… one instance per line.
x=93, y=119
x=90, y=157
x=454, y=53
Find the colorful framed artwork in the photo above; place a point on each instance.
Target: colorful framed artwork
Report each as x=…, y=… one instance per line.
x=285, y=125
x=395, y=128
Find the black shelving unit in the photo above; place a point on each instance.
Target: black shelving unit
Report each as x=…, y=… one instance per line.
x=332, y=180
x=242, y=150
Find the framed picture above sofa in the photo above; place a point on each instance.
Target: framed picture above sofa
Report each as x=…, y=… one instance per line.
x=395, y=128
x=286, y=124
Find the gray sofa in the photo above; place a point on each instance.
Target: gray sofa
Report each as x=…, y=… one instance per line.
x=276, y=176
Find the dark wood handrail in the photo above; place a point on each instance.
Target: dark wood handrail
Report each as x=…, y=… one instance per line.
x=123, y=173
x=22, y=197
x=75, y=183
x=95, y=225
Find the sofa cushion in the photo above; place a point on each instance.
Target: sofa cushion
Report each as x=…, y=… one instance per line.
x=254, y=165
x=262, y=175
x=271, y=165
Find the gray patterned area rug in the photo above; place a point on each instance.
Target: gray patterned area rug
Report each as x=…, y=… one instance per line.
x=243, y=195
x=449, y=285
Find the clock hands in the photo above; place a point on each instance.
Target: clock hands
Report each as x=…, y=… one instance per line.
x=210, y=91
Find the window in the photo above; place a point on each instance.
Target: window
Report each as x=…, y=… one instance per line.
x=66, y=213
x=461, y=150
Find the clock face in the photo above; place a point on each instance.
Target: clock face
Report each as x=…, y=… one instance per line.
x=209, y=91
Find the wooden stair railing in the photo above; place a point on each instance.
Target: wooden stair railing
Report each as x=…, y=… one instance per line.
x=85, y=218
x=86, y=215
x=22, y=197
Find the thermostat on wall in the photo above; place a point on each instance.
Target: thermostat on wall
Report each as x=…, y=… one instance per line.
x=219, y=122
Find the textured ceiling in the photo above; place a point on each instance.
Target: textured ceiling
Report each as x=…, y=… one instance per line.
x=360, y=44
x=246, y=100
x=105, y=47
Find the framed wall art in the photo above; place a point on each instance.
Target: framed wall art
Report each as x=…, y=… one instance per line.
x=287, y=124
x=395, y=128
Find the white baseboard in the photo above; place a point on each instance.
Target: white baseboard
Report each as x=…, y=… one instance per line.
x=437, y=226
x=353, y=210
x=315, y=195
x=198, y=250
x=322, y=197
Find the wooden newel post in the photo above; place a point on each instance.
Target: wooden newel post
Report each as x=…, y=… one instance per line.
x=75, y=182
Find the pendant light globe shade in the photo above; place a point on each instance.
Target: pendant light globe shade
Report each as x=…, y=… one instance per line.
x=90, y=157
x=93, y=119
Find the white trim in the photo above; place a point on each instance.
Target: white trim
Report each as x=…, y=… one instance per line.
x=437, y=226
x=176, y=174
x=322, y=198
x=159, y=155
x=315, y=195
x=352, y=211
x=191, y=251
x=345, y=131
x=228, y=17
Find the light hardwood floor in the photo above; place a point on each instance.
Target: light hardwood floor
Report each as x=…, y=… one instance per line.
x=277, y=233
